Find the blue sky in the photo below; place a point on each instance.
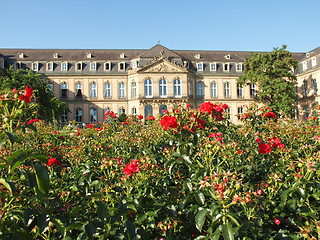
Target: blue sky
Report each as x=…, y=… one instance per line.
x=247, y=25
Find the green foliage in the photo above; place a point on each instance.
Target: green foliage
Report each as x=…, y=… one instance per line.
x=49, y=106
x=272, y=72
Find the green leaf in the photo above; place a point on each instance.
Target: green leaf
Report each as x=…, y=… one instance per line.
x=90, y=230
x=131, y=230
x=42, y=177
x=42, y=223
x=101, y=210
x=187, y=185
x=31, y=179
x=302, y=192
x=11, y=136
x=200, y=218
x=227, y=231
x=18, y=158
x=59, y=224
x=187, y=159
x=6, y=184
x=200, y=198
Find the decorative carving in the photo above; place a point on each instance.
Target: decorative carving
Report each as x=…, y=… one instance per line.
x=162, y=67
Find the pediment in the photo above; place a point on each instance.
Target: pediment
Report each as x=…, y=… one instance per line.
x=163, y=66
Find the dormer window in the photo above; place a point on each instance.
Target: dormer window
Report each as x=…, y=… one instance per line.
x=226, y=67
x=122, y=66
x=50, y=66
x=107, y=66
x=304, y=65
x=134, y=64
x=200, y=66
x=239, y=67
x=313, y=61
x=197, y=56
x=227, y=56
x=17, y=65
x=55, y=55
x=35, y=66
x=21, y=55
x=89, y=55
x=122, y=55
x=64, y=66
x=213, y=67
x=79, y=66
x=93, y=66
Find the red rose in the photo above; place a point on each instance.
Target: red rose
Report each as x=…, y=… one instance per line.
x=264, y=148
x=150, y=118
x=277, y=221
x=27, y=95
x=140, y=117
x=90, y=125
x=53, y=161
x=206, y=107
x=270, y=115
x=169, y=122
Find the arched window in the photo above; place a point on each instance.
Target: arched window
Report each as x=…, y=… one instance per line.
x=133, y=89
x=122, y=93
x=148, y=88
x=148, y=111
x=64, y=90
x=226, y=89
x=79, y=115
x=162, y=108
x=163, y=88
x=93, y=115
x=214, y=90
x=107, y=90
x=177, y=88
x=93, y=90
x=78, y=90
x=200, y=90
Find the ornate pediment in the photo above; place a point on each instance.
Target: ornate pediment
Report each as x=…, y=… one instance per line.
x=163, y=66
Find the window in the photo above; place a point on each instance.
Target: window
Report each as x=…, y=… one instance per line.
x=64, y=116
x=200, y=92
x=135, y=64
x=305, y=112
x=148, y=111
x=122, y=111
x=133, y=89
x=121, y=90
x=228, y=112
x=226, y=67
x=200, y=66
x=107, y=66
x=78, y=90
x=64, y=90
x=239, y=67
x=162, y=109
x=50, y=87
x=93, y=66
x=314, y=86
x=64, y=66
x=79, y=66
x=190, y=87
x=213, y=88
x=50, y=66
x=107, y=90
x=213, y=67
x=177, y=88
x=295, y=114
x=313, y=61
x=134, y=111
x=240, y=112
x=305, y=88
x=79, y=115
x=226, y=89
x=35, y=66
x=304, y=65
x=93, y=115
x=163, y=88
x=148, y=88
x=122, y=66
x=253, y=92
x=93, y=90
x=239, y=91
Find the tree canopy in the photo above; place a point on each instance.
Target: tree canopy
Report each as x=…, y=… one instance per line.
x=273, y=73
x=49, y=106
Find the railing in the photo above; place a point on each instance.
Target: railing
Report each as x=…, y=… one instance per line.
x=142, y=96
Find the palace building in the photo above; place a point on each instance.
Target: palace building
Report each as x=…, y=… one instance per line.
x=149, y=81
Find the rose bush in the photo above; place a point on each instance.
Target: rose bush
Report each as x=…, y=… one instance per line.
x=187, y=175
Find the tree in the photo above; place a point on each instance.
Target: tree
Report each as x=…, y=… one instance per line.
x=49, y=106
x=272, y=72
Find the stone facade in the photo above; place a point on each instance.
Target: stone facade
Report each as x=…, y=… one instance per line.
x=147, y=82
